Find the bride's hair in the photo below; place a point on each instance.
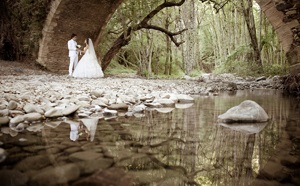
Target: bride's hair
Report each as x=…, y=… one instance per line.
x=87, y=41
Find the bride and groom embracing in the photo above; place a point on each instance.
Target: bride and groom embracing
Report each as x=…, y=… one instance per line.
x=88, y=66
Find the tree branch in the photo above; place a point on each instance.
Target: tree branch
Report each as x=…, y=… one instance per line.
x=217, y=5
x=167, y=32
x=125, y=37
x=165, y=4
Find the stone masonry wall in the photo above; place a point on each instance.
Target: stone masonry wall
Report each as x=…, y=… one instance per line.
x=284, y=15
x=85, y=18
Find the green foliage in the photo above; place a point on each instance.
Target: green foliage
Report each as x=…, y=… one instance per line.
x=195, y=73
x=27, y=18
x=222, y=40
x=116, y=69
x=275, y=69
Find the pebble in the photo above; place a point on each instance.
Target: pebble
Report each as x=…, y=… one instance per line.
x=4, y=120
x=12, y=105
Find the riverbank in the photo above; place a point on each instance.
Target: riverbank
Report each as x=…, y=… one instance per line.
x=30, y=95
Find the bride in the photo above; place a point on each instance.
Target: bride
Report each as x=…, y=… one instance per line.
x=88, y=66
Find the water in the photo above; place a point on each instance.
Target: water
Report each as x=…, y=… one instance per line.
x=181, y=147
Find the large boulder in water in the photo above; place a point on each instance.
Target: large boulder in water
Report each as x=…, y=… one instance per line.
x=246, y=112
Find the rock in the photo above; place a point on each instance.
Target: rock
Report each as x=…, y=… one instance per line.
x=54, y=112
x=139, y=108
x=4, y=112
x=28, y=108
x=107, y=112
x=21, y=127
x=97, y=93
x=104, y=100
x=16, y=120
x=247, y=112
x=70, y=110
x=147, y=98
x=185, y=98
x=261, y=78
x=85, y=156
x=153, y=105
x=12, y=178
x=99, y=103
x=33, y=117
x=57, y=175
x=33, y=163
x=4, y=120
x=3, y=106
x=2, y=155
x=118, y=106
x=84, y=98
x=12, y=105
x=112, y=176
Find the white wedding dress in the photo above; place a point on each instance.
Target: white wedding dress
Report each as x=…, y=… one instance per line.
x=88, y=66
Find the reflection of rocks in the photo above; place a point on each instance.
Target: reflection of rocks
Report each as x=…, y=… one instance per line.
x=249, y=128
x=145, y=177
x=88, y=167
x=85, y=156
x=247, y=112
x=12, y=178
x=33, y=163
x=164, y=110
x=35, y=128
x=185, y=98
x=183, y=105
x=112, y=176
x=2, y=155
x=56, y=175
x=137, y=162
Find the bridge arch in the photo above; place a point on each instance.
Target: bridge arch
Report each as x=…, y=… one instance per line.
x=87, y=18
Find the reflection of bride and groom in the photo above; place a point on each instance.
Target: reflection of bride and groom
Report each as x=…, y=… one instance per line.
x=86, y=127
x=88, y=66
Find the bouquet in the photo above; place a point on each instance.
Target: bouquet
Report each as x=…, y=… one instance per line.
x=78, y=46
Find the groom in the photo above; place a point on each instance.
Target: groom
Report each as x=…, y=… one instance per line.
x=73, y=53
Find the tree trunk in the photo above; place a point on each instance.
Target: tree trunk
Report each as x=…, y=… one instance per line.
x=249, y=18
x=121, y=41
x=168, y=42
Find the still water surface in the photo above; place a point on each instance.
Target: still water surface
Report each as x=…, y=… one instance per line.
x=180, y=147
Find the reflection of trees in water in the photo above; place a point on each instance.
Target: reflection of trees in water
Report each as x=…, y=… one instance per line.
x=207, y=153
x=191, y=144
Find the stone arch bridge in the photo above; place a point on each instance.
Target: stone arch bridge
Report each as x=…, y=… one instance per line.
x=88, y=17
